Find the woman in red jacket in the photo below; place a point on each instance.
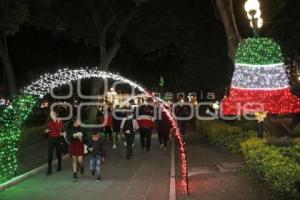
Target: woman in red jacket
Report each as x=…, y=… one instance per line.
x=54, y=133
x=77, y=139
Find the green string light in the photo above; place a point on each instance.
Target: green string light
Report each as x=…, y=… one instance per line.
x=11, y=121
x=259, y=51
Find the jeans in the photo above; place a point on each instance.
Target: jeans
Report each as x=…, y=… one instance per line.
x=129, y=140
x=163, y=137
x=108, y=133
x=95, y=164
x=145, y=137
x=54, y=143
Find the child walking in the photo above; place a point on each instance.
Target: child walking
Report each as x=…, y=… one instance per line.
x=98, y=155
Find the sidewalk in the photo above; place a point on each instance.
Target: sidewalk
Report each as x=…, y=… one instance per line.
x=215, y=174
x=145, y=176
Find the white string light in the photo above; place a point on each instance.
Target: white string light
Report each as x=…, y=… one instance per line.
x=48, y=81
x=260, y=77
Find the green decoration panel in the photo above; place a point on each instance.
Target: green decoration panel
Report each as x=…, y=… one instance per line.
x=259, y=51
x=11, y=121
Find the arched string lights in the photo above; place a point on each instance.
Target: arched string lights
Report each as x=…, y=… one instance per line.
x=14, y=115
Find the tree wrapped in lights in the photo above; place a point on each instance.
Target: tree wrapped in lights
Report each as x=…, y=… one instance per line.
x=259, y=81
x=11, y=121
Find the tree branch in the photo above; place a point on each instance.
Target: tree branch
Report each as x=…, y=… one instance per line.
x=110, y=7
x=215, y=9
x=234, y=21
x=125, y=23
x=116, y=44
x=101, y=33
x=232, y=38
x=3, y=45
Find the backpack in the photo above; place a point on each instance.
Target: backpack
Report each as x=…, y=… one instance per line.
x=128, y=126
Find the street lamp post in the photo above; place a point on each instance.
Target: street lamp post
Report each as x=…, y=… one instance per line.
x=252, y=7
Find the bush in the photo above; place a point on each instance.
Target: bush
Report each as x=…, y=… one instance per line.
x=276, y=161
x=268, y=162
x=246, y=125
x=280, y=141
x=296, y=131
x=222, y=134
x=292, y=151
x=32, y=135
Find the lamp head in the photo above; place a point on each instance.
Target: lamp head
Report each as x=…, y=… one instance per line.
x=254, y=14
x=252, y=5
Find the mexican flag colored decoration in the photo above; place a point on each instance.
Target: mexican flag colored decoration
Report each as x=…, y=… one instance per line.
x=259, y=82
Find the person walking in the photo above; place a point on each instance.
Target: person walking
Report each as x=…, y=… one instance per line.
x=98, y=155
x=128, y=127
x=54, y=136
x=163, y=130
x=182, y=112
x=146, y=124
x=108, y=124
x=117, y=119
x=76, y=139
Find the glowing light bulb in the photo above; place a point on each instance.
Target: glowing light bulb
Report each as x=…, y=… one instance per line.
x=252, y=5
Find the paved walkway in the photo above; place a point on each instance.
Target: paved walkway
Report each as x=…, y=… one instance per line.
x=215, y=174
x=145, y=176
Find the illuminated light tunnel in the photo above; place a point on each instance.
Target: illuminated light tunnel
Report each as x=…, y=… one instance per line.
x=14, y=115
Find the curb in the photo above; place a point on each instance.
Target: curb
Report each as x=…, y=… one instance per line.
x=172, y=194
x=22, y=177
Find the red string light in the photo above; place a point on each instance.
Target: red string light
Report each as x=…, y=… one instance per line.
x=280, y=101
x=182, y=147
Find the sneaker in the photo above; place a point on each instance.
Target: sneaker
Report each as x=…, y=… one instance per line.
x=132, y=144
x=114, y=146
x=165, y=148
x=75, y=177
x=98, y=179
x=125, y=144
x=161, y=146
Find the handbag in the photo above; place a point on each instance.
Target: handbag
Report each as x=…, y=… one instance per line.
x=64, y=146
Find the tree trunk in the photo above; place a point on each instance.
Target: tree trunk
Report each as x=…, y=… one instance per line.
x=106, y=54
x=225, y=9
x=231, y=11
x=96, y=83
x=8, y=67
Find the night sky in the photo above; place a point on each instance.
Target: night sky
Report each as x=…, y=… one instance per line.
x=184, y=41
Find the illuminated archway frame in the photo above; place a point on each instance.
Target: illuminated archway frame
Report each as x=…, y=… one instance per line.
x=13, y=117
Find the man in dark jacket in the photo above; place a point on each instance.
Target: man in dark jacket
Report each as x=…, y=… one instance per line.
x=128, y=128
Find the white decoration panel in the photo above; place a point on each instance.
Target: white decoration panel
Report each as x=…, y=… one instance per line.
x=262, y=77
